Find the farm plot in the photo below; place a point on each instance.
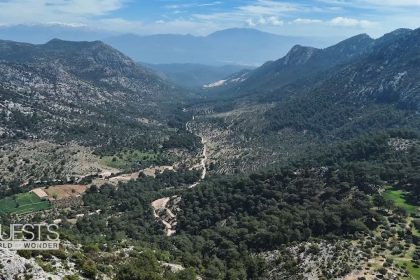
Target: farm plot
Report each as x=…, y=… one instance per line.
x=22, y=204
x=65, y=191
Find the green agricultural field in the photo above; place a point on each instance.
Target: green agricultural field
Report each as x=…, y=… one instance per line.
x=406, y=262
x=22, y=204
x=398, y=197
x=134, y=159
x=414, y=272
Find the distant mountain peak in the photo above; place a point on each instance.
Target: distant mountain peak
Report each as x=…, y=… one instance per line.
x=362, y=36
x=60, y=42
x=299, y=55
x=351, y=47
x=241, y=34
x=54, y=41
x=239, y=31
x=394, y=35
x=400, y=31
x=355, y=41
x=244, y=46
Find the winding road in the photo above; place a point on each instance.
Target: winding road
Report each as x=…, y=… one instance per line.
x=202, y=164
x=161, y=207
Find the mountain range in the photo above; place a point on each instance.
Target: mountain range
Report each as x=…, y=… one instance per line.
x=307, y=66
x=42, y=33
x=238, y=46
x=316, y=96
x=286, y=171
x=230, y=46
x=302, y=62
x=343, y=87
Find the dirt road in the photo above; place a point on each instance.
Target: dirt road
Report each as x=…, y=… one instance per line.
x=160, y=207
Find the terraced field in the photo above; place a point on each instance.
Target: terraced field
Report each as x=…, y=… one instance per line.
x=22, y=204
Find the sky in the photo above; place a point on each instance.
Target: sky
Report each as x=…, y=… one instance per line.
x=315, y=18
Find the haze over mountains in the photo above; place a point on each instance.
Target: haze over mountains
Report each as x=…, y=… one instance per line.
x=239, y=46
x=194, y=75
x=231, y=46
x=42, y=33
x=192, y=61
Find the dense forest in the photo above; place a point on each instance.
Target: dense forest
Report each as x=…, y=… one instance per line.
x=226, y=221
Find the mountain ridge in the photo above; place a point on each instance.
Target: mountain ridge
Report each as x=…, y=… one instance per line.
x=306, y=64
x=317, y=98
x=68, y=87
x=231, y=46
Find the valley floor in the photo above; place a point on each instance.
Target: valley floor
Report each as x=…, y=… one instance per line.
x=389, y=252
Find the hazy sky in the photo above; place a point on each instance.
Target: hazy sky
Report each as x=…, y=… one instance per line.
x=302, y=17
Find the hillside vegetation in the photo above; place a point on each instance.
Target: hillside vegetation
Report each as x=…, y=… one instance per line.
x=304, y=168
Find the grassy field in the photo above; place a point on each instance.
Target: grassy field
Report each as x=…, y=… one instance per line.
x=406, y=262
x=130, y=159
x=398, y=197
x=22, y=204
x=413, y=271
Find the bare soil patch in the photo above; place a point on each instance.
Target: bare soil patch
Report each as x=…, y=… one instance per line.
x=65, y=191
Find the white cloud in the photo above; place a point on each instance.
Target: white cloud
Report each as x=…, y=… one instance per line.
x=191, y=5
x=265, y=21
x=339, y=18
x=307, y=21
x=267, y=7
x=351, y=22
x=176, y=25
x=251, y=23
x=394, y=3
x=275, y=21
x=118, y=24
x=264, y=13
x=30, y=11
x=380, y=4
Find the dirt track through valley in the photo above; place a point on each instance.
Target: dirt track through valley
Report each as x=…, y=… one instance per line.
x=160, y=206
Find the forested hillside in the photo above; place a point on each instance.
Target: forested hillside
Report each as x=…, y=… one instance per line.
x=83, y=93
x=230, y=226
x=305, y=168
x=315, y=97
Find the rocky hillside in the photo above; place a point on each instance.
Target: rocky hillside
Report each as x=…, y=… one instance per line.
x=301, y=63
x=379, y=91
x=63, y=88
x=93, y=62
x=314, y=97
x=61, y=95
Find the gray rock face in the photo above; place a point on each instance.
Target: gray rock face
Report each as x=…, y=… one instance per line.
x=47, y=89
x=299, y=55
x=16, y=267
